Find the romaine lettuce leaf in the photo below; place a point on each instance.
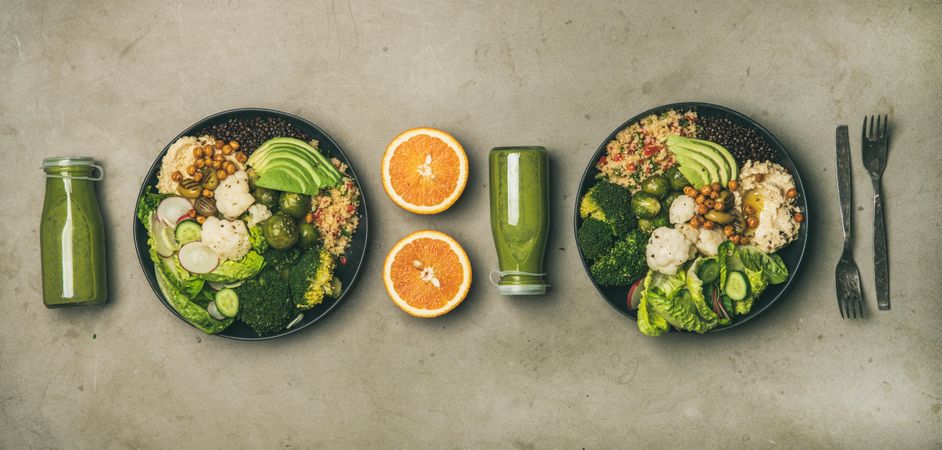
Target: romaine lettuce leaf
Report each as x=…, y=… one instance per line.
x=670, y=298
x=257, y=239
x=233, y=271
x=190, y=311
x=650, y=323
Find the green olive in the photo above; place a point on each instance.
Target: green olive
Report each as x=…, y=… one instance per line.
x=666, y=201
x=307, y=235
x=645, y=205
x=189, y=188
x=677, y=179
x=280, y=231
x=266, y=197
x=719, y=217
x=210, y=180
x=655, y=185
x=295, y=205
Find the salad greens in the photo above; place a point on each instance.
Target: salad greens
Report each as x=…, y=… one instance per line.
x=233, y=271
x=685, y=302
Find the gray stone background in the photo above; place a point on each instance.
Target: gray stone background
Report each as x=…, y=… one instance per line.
x=118, y=80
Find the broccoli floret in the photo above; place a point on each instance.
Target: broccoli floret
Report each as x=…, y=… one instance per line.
x=310, y=278
x=611, y=204
x=595, y=237
x=624, y=263
x=265, y=303
x=281, y=260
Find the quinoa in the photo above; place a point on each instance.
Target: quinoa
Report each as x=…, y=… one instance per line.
x=640, y=150
x=251, y=133
x=335, y=212
x=744, y=143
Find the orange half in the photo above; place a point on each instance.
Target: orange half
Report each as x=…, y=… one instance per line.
x=427, y=274
x=424, y=170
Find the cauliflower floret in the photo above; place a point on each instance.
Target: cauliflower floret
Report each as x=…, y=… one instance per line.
x=682, y=209
x=708, y=241
x=229, y=238
x=232, y=195
x=689, y=232
x=667, y=250
x=257, y=214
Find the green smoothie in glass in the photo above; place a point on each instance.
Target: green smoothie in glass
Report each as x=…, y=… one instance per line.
x=519, y=187
x=72, y=235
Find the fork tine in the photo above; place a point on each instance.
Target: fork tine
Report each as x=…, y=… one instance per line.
x=879, y=126
x=871, y=127
x=886, y=123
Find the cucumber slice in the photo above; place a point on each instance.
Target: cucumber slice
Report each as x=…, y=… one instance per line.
x=227, y=302
x=709, y=271
x=188, y=231
x=736, y=286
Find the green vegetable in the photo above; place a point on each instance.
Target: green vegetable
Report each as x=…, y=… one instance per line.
x=666, y=201
x=676, y=178
x=307, y=235
x=736, y=286
x=281, y=260
x=623, y=264
x=294, y=205
x=292, y=165
x=188, y=231
x=189, y=310
x=708, y=271
x=227, y=302
x=310, y=278
x=650, y=323
x=147, y=205
x=609, y=203
x=655, y=185
x=670, y=297
x=760, y=270
x=266, y=197
x=257, y=239
x=280, y=231
x=265, y=303
x=595, y=238
x=645, y=206
x=232, y=271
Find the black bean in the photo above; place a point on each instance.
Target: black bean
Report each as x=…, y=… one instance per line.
x=251, y=133
x=743, y=142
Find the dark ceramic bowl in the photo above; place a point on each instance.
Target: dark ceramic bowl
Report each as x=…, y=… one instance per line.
x=791, y=254
x=346, y=272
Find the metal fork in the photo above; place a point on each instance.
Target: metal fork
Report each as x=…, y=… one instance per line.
x=847, y=276
x=874, y=144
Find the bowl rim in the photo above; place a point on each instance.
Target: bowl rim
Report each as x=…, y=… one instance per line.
x=776, y=145
x=147, y=266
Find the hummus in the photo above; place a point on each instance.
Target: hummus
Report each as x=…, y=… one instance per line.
x=763, y=185
x=179, y=156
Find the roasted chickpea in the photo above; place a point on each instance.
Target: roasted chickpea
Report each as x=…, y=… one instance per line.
x=200, y=219
x=234, y=144
x=706, y=189
x=208, y=193
x=218, y=157
x=690, y=191
x=709, y=203
x=702, y=209
x=208, y=150
x=190, y=170
x=699, y=200
x=239, y=156
x=709, y=225
x=200, y=163
x=719, y=206
x=221, y=174
x=694, y=222
x=744, y=240
x=736, y=239
x=309, y=217
x=226, y=150
x=749, y=210
x=799, y=217
x=217, y=164
x=714, y=195
x=752, y=221
x=733, y=185
x=198, y=152
x=208, y=160
x=230, y=168
x=728, y=230
x=791, y=193
x=198, y=176
x=176, y=176
x=716, y=187
x=218, y=143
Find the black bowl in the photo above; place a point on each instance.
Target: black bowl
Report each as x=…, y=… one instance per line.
x=346, y=272
x=792, y=254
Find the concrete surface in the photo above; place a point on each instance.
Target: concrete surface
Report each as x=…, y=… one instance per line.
x=118, y=80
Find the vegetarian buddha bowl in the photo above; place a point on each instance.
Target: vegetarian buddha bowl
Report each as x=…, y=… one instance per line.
x=251, y=224
x=691, y=217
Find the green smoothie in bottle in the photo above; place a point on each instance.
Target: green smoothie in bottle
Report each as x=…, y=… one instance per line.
x=72, y=235
x=519, y=188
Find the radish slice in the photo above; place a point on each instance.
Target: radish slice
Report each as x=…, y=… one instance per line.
x=217, y=286
x=197, y=258
x=214, y=311
x=294, y=321
x=172, y=209
x=164, y=241
x=634, y=294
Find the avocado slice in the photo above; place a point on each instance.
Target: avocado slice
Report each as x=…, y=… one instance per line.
x=730, y=161
x=706, y=151
x=710, y=172
x=292, y=165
